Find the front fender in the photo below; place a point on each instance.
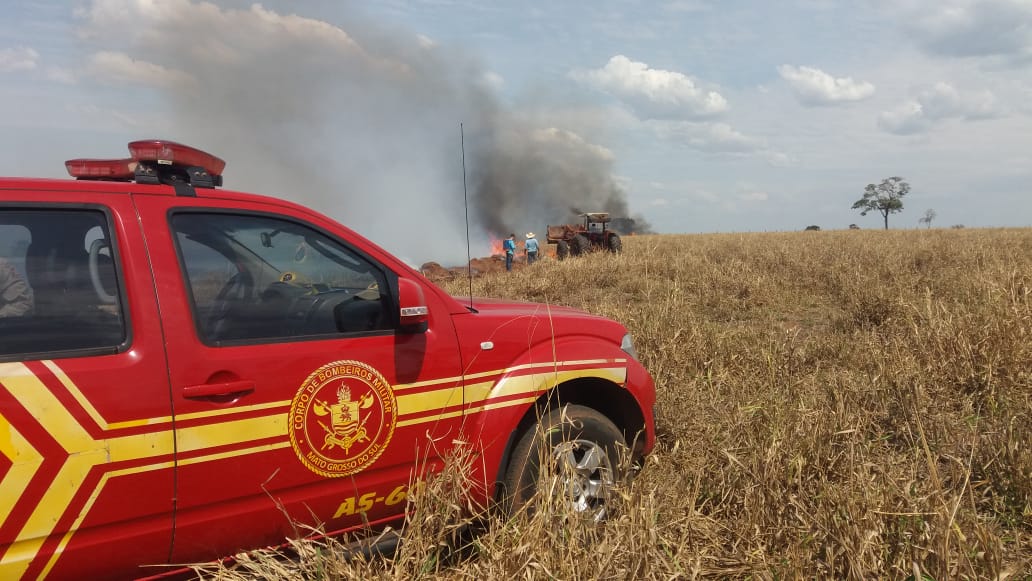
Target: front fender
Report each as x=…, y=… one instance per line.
x=497, y=402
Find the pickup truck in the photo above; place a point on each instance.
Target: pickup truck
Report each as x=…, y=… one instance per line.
x=188, y=372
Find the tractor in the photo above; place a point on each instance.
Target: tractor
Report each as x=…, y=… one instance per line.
x=576, y=239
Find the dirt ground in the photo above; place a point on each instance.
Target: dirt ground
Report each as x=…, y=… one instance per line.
x=479, y=266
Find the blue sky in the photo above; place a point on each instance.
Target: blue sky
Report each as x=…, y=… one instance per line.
x=695, y=115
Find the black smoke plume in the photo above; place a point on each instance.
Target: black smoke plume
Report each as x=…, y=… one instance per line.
x=351, y=117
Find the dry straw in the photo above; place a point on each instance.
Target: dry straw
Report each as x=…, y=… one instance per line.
x=847, y=405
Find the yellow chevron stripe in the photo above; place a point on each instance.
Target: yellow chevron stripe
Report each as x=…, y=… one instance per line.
x=53, y=504
x=92, y=411
x=86, y=452
x=25, y=462
x=100, y=421
x=89, y=505
x=138, y=469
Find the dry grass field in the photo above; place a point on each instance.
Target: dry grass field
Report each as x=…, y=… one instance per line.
x=845, y=404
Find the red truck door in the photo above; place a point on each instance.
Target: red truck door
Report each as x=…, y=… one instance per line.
x=298, y=402
x=86, y=431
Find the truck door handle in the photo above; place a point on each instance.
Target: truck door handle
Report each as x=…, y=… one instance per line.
x=220, y=390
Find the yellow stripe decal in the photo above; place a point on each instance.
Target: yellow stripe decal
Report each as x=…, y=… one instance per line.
x=415, y=403
x=428, y=419
x=25, y=462
x=235, y=432
x=92, y=411
x=537, y=382
x=84, y=452
x=233, y=453
x=89, y=504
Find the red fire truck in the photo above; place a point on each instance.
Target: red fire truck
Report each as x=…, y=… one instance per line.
x=188, y=372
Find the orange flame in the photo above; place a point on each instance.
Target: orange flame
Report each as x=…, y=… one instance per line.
x=496, y=247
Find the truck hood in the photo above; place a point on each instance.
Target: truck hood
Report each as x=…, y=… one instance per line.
x=562, y=319
x=502, y=306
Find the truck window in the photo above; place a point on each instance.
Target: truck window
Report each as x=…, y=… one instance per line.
x=258, y=278
x=59, y=289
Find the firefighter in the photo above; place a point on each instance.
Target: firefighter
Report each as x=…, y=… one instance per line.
x=531, y=248
x=510, y=250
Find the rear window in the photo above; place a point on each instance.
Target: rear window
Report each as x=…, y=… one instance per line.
x=59, y=285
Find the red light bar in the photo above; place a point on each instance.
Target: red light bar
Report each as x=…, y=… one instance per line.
x=172, y=153
x=102, y=169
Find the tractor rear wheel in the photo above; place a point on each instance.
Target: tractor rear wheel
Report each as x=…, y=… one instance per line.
x=579, y=245
x=615, y=245
x=562, y=249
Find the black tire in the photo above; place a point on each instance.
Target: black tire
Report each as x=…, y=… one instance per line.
x=579, y=245
x=615, y=244
x=562, y=250
x=581, y=446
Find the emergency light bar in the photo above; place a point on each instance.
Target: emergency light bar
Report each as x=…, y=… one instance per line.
x=154, y=161
x=101, y=169
x=172, y=153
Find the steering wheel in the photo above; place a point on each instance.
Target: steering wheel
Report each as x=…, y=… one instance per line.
x=237, y=288
x=98, y=285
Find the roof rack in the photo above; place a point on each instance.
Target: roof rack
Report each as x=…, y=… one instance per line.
x=155, y=161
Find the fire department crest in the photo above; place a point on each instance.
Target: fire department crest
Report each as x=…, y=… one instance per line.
x=342, y=418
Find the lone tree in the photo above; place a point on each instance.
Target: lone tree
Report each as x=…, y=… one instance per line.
x=886, y=198
x=927, y=218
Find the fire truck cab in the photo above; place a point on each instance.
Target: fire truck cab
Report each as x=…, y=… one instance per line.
x=188, y=372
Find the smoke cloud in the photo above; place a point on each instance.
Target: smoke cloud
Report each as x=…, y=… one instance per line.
x=352, y=118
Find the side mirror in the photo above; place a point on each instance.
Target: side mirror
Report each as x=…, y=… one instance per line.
x=414, y=312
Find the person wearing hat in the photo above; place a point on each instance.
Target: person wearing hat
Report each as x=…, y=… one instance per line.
x=531, y=248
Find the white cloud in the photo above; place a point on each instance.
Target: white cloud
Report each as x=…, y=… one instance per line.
x=653, y=93
x=120, y=68
x=61, y=75
x=708, y=137
x=492, y=81
x=18, y=59
x=815, y=87
x=936, y=104
x=720, y=139
x=779, y=159
x=222, y=35
x=690, y=6
x=998, y=29
x=754, y=196
x=426, y=42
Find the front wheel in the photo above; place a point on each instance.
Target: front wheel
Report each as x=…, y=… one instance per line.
x=615, y=244
x=572, y=451
x=580, y=245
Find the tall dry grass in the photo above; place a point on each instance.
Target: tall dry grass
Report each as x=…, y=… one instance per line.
x=849, y=405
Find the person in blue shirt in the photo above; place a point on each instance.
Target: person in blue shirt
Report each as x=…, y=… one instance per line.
x=531, y=248
x=510, y=250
